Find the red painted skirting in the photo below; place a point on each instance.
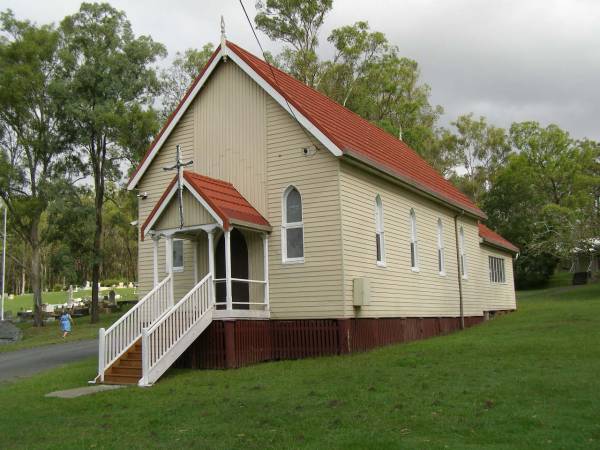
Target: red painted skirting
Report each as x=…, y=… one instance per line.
x=237, y=343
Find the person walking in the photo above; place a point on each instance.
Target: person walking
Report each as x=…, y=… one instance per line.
x=65, y=323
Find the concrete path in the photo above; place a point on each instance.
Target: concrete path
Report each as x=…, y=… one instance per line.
x=87, y=390
x=24, y=363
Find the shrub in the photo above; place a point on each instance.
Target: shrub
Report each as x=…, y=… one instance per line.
x=58, y=287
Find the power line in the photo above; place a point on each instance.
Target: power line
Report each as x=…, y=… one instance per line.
x=273, y=72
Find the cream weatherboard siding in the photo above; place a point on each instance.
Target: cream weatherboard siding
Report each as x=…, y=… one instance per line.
x=397, y=290
x=311, y=289
x=193, y=213
x=230, y=138
x=233, y=131
x=496, y=296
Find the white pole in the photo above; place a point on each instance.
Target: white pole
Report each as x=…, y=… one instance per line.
x=3, y=265
x=155, y=260
x=265, y=238
x=228, y=269
x=211, y=261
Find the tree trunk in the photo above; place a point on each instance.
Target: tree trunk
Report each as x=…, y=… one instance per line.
x=97, y=252
x=36, y=273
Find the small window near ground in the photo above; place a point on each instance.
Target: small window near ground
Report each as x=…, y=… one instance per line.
x=414, y=244
x=497, y=274
x=440, y=246
x=177, y=255
x=379, y=240
x=292, y=232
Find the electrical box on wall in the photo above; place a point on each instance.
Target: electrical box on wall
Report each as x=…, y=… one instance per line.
x=361, y=291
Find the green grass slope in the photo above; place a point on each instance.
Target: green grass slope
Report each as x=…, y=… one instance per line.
x=526, y=380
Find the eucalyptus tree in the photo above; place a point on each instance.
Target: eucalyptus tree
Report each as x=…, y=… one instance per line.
x=34, y=136
x=112, y=83
x=177, y=78
x=297, y=24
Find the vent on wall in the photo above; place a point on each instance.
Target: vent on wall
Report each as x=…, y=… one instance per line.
x=361, y=291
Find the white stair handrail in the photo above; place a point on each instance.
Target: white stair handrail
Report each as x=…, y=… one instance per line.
x=159, y=340
x=114, y=341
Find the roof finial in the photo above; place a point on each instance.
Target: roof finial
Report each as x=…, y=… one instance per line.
x=223, y=38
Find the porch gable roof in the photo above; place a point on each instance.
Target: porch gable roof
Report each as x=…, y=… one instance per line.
x=221, y=199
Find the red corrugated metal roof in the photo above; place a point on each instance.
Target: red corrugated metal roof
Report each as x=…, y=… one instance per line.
x=357, y=136
x=353, y=135
x=221, y=196
x=494, y=238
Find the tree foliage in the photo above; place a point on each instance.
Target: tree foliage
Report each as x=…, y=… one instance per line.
x=112, y=84
x=178, y=77
x=297, y=24
x=34, y=138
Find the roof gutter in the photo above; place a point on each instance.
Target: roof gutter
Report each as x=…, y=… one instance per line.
x=364, y=163
x=498, y=246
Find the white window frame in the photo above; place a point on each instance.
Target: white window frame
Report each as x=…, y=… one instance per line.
x=440, y=248
x=175, y=268
x=464, y=266
x=497, y=268
x=292, y=225
x=379, y=231
x=414, y=241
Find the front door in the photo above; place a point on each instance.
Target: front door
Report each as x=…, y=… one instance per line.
x=240, y=291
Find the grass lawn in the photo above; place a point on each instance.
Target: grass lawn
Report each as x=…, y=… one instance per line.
x=25, y=301
x=51, y=334
x=526, y=380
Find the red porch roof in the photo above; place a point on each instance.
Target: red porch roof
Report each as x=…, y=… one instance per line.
x=495, y=239
x=224, y=199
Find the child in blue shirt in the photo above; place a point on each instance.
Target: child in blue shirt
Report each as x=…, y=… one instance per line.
x=65, y=323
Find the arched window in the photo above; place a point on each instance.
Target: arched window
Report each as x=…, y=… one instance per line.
x=414, y=244
x=292, y=228
x=440, y=245
x=379, y=240
x=463, y=255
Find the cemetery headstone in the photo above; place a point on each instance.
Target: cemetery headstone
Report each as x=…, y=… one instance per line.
x=112, y=297
x=9, y=333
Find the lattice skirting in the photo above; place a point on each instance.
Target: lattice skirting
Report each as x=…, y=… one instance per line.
x=238, y=343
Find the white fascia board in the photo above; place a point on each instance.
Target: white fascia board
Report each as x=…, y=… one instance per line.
x=312, y=129
x=135, y=180
x=161, y=208
x=203, y=202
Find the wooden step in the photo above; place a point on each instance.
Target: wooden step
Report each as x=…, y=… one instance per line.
x=130, y=371
x=130, y=363
x=120, y=379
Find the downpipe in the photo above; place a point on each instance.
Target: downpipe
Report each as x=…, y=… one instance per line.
x=458, y=266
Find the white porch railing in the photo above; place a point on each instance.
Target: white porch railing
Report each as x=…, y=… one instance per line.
x=175, y=331
x=235, y=304
x=115, y=341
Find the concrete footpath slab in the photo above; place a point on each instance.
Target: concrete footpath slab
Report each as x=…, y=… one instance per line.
x=87, y=390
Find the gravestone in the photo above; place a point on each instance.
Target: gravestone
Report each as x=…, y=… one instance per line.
x=112, y=297
x=9, y=333
x=70, y=298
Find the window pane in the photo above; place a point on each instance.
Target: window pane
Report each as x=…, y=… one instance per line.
x=412, y=254
x=293, y=206
x=294, y=242
x=177, y=253
x=378, y=244
x=440, y=263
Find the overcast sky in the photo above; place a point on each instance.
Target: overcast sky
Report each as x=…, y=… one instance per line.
x=508, y=60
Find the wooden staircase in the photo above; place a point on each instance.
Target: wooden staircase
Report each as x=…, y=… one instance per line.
x=128, y=368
